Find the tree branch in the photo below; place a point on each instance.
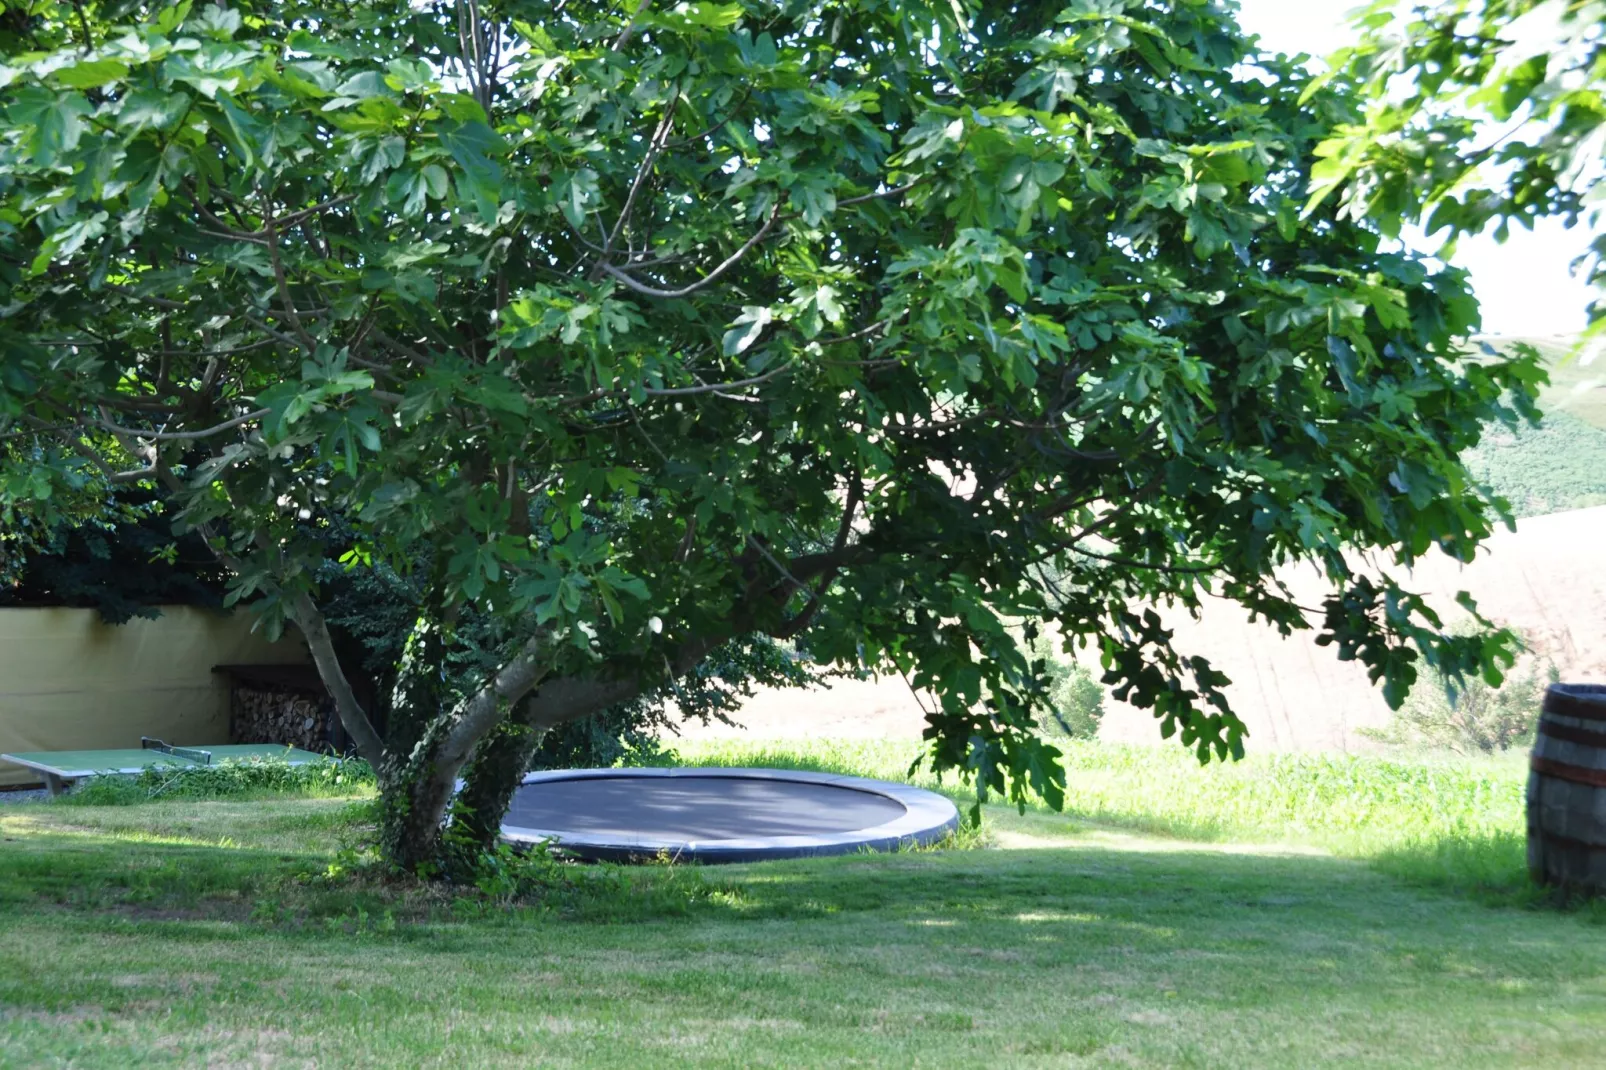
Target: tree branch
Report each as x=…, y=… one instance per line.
x=353, y=719
x=895, y=191
x=855, y=495
x=479, y=713
x=630, y=27
x=283, y=286
x=266, y=328
x=1128, y=562
x=405, y=350
x=212, y=353
x=764, y=552
x=180, y=436
x=715, y=388
x=571, y=698
x=297, y=216
x=775, y=216
x=706, y=280
x=879, y=325
x=654, y=147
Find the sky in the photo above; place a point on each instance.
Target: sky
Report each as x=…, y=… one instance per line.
x=1523, y=285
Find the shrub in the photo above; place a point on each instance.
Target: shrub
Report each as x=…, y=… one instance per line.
x=1076, y=701
x=120, y=556
x=1470, y=716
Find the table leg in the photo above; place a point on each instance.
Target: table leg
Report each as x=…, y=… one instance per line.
x=54, y=783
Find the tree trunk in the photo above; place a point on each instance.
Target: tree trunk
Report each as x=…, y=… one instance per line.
x=493, y=735
x=419, y=694
x=414, y=787
x=499, y=764
x=413, y=796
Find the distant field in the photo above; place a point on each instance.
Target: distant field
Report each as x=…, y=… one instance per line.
x=1557, y=466
x=1560, y=465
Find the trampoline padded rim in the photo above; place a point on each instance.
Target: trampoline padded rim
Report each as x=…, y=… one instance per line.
x=927, y=818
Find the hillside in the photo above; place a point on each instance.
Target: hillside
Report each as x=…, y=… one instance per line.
x=1544, y=580
x=1561, y=464
x=1575, y=387
x=1557, y=466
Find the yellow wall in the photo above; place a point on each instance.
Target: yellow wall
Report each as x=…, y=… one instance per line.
x=69, y=682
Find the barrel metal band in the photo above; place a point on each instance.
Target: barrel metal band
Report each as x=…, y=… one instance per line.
x=1577, y=774
x=1571, y=733
x=1585, y=709
x=1558, y=840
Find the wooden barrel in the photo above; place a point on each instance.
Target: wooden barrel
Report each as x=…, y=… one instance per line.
x=1567, y=790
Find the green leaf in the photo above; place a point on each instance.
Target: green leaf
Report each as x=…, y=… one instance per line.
x=91, y=73
x=216, y=21
x=1343, y=355
x=409, y=188
x=435, y=179
x=694, y=15
x=245, y=127
x=52, y=122
x=814, y=199
x=156, y=108
x=574, y=192
x=361, y=87
x=408, y=75
x=746, y=329
x=318, y=45
x=386, y=155
x=471, y=144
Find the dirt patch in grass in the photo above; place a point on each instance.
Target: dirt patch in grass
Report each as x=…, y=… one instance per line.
x=181, y=982
x=70, y=1017
x=208, y=910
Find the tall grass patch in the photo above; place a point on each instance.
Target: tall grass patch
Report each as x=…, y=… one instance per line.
x=1429, y=819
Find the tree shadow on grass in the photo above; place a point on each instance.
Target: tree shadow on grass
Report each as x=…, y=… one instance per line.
x=131, y=877
x=1113, y=943
x=164, y=880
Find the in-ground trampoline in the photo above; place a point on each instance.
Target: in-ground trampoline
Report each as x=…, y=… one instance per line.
x=721, y=815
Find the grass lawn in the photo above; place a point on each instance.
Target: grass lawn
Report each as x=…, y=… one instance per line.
x=1176, y=920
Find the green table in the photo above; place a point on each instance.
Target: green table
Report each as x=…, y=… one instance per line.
x=58, y=767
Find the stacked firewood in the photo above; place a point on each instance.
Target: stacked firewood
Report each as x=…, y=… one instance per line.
x=281, y=715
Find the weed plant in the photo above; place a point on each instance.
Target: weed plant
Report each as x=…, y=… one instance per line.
x=229, y=779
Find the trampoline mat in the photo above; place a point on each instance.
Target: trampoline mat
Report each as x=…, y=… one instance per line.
x=696, y=808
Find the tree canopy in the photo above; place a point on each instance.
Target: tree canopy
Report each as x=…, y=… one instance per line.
x=873, y=325
x=119, y=557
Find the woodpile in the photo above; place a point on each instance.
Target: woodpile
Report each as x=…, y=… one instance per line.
x=280, y=704
x=259, y=715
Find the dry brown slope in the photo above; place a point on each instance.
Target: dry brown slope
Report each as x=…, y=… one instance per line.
x=1548, y=579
